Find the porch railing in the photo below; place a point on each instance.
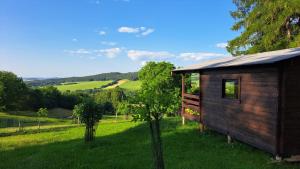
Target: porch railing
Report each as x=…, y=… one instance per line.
x=191, y=101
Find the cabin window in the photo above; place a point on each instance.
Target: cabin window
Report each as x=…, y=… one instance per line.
x=230, y=88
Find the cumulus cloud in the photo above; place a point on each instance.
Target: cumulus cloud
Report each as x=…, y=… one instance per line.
x=222, y=45
x=140, y=31
x=200, y=56
x=125, y=29
x=110, y=53
x=108, y=43
x=143, y=54
x=92, y=53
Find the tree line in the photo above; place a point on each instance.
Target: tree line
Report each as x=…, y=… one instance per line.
x=16, y=95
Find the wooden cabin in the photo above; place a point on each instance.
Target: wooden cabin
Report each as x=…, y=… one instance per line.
x=252, y=98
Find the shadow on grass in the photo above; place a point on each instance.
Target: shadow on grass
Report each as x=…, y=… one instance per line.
x=184, y=148
x=35, y=131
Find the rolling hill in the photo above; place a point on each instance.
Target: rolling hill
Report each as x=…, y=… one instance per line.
x=99, y=77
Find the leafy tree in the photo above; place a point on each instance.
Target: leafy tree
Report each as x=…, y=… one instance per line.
x=266, y=25
x=42, y=112
x=90, y=114
x=124, y=108
x=51, y=97
x=34, y=99
x=12, y=91
x=2, y=106
x=78, y=109
x=110, y=99
x=158, y=96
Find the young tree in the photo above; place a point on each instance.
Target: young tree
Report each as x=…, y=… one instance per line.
x=90, y=114
x=78, y=109
x=159, y=95
x=266, y=25
x=42, y=112
x=124, y=108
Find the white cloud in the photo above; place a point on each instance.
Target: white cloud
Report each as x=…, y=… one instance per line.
x=92, y=53
x=110, y=53
x=108, y=43
x=140, y=31
x=125, y=29
x=147, y=32
x=201, y=56
x=140, y=54
x=222, y=45
x=75, y=40
x=102, y=33
x=78, y=52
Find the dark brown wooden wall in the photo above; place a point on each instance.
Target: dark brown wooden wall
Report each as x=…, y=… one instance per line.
x=253, y=119
x=291, y=107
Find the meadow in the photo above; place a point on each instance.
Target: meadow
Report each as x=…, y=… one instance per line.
x=81, y=85
x=86, y=85
x=131, y=85
x=123, y=144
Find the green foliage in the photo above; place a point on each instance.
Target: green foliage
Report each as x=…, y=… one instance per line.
x=266, y=25
x=50, y=96
x=124, y=108
x=12, y=91
x=89, y=113
x=192, y=85
x=110, y=99
x=159, y=93
x=192, y=112
x=42, y=112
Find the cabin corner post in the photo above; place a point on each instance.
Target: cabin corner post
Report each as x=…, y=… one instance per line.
x=182, y=97
x=202, y=126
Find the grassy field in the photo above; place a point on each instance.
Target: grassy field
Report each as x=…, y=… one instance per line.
x=131, y=85
x=126, y=145
x=81, y=85
x=126, y=84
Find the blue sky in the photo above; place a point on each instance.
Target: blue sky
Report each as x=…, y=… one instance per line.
x=59, y=38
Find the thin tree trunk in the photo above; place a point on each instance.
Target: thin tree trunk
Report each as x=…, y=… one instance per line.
x=156, y=144
x=78, y=120
x=39, y=125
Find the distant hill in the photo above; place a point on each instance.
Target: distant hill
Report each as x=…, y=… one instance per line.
x=99, y=77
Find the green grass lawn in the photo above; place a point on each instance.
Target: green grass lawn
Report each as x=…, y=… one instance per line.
x=82, y=85
x=131, y=85
x=28, y=118
x=124, y=144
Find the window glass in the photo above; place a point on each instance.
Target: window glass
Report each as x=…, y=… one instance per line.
x=230, y=88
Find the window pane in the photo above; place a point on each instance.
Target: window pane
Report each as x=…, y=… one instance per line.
x=230, y=89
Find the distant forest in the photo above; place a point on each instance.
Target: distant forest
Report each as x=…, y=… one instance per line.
x=99, y=77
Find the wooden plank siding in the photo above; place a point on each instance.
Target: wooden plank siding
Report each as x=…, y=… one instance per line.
x=291, y=108
x=251, y=119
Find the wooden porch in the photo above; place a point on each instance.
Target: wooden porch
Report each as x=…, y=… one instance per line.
x=190, y=105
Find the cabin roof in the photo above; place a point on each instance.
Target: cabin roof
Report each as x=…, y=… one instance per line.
x=245, y=60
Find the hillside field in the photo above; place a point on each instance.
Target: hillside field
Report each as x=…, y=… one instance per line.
x=81, y=85
x=124, y=144
x=131, y=85
x=127, y=84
